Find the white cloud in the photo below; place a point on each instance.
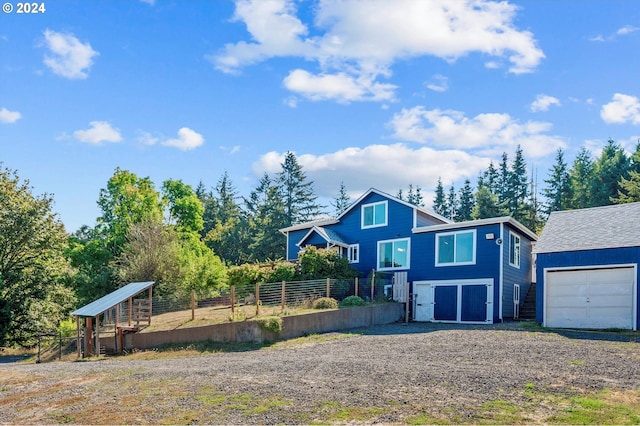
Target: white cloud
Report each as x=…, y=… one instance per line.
x=438, y=83
x=622, y=109
x=486, y=134
x=385, y=167
x=543, y=102
x=148, y=139
x=187, y=140
x=7, y=116
x=627, y=29
x=100, y=131
x=68, y=57
x=339, y=87
x=355, y=43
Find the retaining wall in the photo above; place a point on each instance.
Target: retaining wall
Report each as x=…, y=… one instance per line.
x=250, y=331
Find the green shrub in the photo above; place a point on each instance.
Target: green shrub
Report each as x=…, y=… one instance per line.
x=272, y=324
x=68, y=328
x=325, y=303
x=353, y=301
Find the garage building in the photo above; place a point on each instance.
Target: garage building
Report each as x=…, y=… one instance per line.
x=587, y=268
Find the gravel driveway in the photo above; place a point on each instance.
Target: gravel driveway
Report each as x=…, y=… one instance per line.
x=387, y=374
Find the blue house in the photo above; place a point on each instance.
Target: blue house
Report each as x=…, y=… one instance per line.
x=472, y=272
x=587, y=268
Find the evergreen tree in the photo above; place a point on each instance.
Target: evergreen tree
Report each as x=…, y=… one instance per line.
x=581, y=177
x=300, y=202
x=342, y=201
x=486, y=204
x=517, y=184
x=229, y=236
x=531, y=217
x=415, y=196
x=452, y=203
x=440, y=201
x=208, y=202
x=612, y=166
x=558, y=191
x=503, y=188
x=266, y=216
x=465, y=203
x=490, y=179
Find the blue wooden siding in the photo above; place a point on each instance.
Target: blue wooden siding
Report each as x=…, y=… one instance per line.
x=512, y=275
x=423, y=262
x=399, y=224
x=601, y=257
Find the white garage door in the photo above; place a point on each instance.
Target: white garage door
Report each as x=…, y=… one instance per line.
x=590, y=298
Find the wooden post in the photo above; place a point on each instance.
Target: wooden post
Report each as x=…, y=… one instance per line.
x=373, y=283
x=193, y=305
x=328, y=287
x=116, y=329
x=233, y=302
x=88, y=337
x=257, y=299
x=356, y=292
x=283, y=295
x=130, y=310
x=78, y=336
x=98, y=335
x=150, y=304
x=406, y=313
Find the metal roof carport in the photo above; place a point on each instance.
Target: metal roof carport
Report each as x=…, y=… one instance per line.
x=105, y=303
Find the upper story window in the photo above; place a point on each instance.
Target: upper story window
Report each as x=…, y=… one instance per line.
x=374, y=214
x=514, y=250
x=353, y=253
x=393, y=254
x=456, y=248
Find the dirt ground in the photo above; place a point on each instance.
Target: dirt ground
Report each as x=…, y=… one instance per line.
x=416, y=373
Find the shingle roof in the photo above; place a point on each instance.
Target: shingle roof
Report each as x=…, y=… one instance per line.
x=99, y=306
x=588, y=229
x=329, y=235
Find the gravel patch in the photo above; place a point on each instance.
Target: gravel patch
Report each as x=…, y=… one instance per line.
x=385, y=373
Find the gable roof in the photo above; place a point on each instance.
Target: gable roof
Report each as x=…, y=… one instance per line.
x=101, y=305
x=329, y=236
x=397, y=200
x=334, y=220
x=594, y=228
x=479, y=222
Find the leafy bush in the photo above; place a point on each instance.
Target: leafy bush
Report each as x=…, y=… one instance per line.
x=272, y=324
x=325, y=303
x=353, y=301
x=316, y=263
x=68, y=328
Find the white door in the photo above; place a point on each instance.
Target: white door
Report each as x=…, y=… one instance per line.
x=423, y=295
x=590, y=298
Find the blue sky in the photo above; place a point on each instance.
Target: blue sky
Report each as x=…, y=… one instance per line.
x=373, y=93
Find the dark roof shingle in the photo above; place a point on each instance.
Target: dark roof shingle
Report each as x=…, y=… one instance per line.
x=589, y=229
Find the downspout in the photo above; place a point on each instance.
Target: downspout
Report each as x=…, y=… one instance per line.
x=501, y=278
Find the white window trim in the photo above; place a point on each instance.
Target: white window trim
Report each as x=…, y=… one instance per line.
x=397, y=268
x=519, y=253
x=386, y=214
x=454, y=263
x=350, y=253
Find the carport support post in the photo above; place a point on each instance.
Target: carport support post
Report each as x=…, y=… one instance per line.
x=88, y=337
x=150, y=304
x=130, y=310
x=78, y=336
x=98, y=335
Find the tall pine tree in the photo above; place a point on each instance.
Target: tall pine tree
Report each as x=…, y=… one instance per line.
x=581, y=176
x=465, y=203
x=342, y=201
x=440, y=201
x=612, y=166
x=300, y=201
x=558, y=192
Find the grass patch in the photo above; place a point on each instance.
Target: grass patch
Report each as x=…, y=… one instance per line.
x=334, y=411
x=604, y=407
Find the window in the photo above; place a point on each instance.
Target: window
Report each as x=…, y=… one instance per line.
x=393, y=254
x=456, y=248
x=374, y=214
x=514, y=250
x=353, y=253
